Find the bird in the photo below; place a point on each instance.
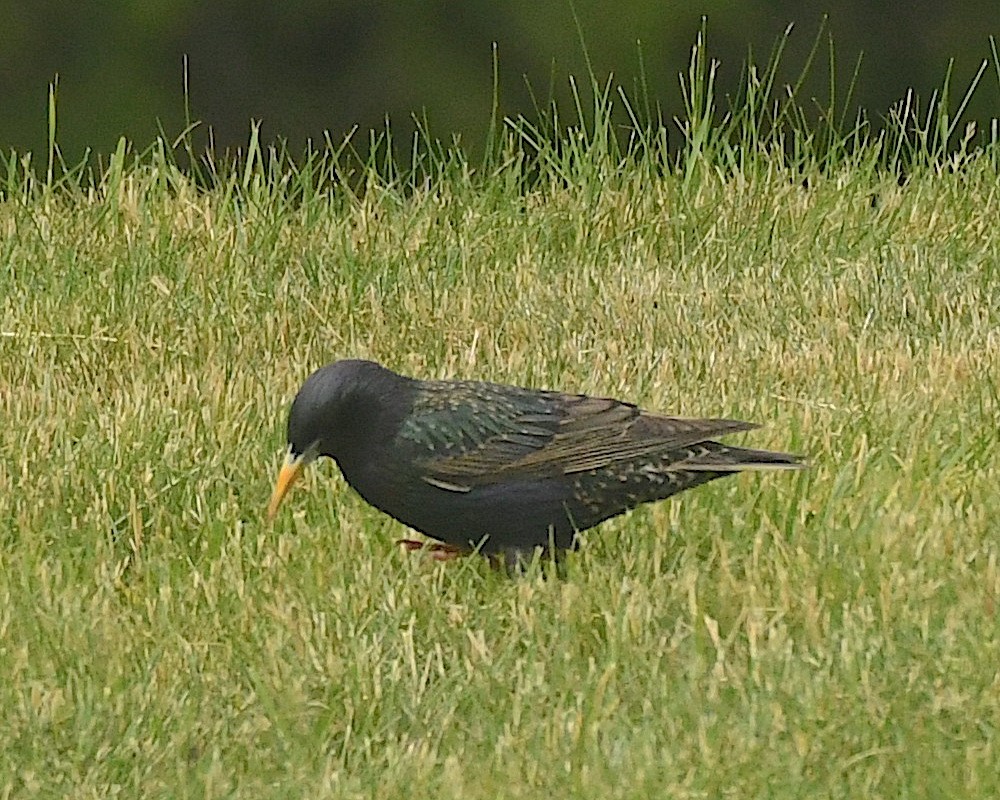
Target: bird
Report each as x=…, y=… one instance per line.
x=501, y=470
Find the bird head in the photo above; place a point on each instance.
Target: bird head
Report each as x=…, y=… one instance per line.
x=327, y=415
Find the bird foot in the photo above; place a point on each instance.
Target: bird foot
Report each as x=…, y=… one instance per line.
x=436, y=550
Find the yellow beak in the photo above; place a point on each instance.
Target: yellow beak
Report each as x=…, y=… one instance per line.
x=290, y=472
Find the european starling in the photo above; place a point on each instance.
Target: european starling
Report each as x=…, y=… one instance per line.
x=501, y=469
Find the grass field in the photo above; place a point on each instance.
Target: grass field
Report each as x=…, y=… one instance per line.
x=830, y=633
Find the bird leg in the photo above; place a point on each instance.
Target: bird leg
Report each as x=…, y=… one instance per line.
x=439, y=551
x=515, y=561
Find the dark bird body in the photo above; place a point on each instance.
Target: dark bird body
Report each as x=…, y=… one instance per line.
x=500, y=468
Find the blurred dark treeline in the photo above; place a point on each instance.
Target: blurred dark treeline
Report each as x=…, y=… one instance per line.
x=304, y=67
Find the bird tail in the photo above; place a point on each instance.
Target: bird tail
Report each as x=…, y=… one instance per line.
x=721, y=458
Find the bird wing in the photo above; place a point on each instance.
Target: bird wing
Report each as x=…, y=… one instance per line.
x=482, y=434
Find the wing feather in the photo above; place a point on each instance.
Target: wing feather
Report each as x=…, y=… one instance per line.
x=495, y=434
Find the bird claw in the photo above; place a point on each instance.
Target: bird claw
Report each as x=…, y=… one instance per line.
x=436, y=550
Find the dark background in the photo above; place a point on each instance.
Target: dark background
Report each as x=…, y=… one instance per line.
x=303, y=67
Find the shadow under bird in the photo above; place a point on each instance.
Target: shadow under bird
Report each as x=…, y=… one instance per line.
x=500, y=469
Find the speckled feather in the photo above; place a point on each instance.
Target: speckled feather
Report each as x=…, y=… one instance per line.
x=502, y=467
x=479, y=433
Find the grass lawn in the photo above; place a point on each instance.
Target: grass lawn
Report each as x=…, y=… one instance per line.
x=830, y=633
